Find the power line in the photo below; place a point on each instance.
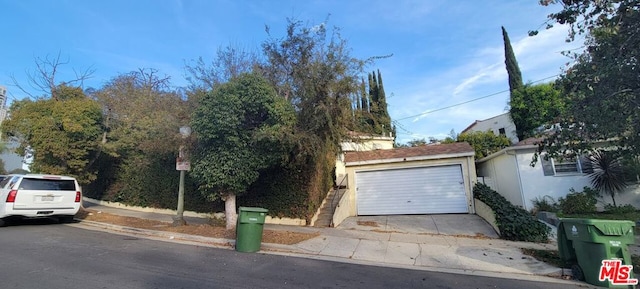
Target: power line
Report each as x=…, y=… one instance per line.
x=398, y=125
x=453, y=105
x=468, y=101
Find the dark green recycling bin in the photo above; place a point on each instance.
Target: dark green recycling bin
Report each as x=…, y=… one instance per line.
x=585, y=243
x=249, y=229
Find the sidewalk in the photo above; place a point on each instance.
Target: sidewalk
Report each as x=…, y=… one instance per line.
x=420, y=251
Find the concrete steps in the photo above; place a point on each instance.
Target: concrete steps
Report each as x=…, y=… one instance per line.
x=325, y=214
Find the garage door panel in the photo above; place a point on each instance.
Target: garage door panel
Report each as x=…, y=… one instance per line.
x=429, y=190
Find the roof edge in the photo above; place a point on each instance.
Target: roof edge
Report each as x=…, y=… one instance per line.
x=504, y=150
x=408, y=159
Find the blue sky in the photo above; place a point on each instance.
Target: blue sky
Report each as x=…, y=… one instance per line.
x=444, y=52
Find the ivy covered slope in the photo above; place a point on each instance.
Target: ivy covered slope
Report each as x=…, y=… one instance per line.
x=515, y=223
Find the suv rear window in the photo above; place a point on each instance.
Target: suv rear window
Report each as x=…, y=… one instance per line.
x=49, y=185
x=5, y=180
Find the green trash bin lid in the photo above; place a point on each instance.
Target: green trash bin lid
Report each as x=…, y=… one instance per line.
x=253, y=209
x=606, y=227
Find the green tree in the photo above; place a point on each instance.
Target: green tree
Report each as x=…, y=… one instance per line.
x=316, y=73
x=515, y=87
x=381, y=121
x=142, y=116
x=364, y=120
x=373, y=93
x=382, y=112
x=513, y=70
x=364, y=98
x=417, y=142
x=64, y=133
x=371, y=114
x=602, y=87
x=142, y=113
x=228, y=62
x=239, y=126
x=451, y=138
x=484, y=143
x=533, y=106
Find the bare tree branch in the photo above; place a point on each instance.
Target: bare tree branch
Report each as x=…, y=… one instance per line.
x=43, y=79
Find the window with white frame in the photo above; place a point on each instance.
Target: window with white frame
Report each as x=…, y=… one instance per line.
x=566, y=166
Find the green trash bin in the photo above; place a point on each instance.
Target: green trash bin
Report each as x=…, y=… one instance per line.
x=585, y=243
x=249, y=229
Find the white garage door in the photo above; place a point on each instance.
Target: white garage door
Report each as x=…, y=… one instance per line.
x=427, y=190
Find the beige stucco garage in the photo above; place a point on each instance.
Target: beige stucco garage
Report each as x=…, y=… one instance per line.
x=432, y=179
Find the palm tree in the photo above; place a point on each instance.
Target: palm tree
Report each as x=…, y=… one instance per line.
x=608, y=174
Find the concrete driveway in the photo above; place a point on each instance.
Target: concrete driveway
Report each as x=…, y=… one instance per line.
x=448, y=224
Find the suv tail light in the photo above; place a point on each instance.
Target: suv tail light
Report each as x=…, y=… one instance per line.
x=12, y=196
x=78, y=197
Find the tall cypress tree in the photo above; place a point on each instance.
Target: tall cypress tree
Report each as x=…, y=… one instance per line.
x=371, y=114
x=374, y=88
x=515, y=76
x=383, y=113
x=515, y=79
x=364, y=98
x=373, y=99
x=358, y=97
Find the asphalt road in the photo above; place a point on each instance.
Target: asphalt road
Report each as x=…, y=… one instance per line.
x=48, y=255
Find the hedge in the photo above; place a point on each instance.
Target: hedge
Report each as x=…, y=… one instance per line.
x=515, y=223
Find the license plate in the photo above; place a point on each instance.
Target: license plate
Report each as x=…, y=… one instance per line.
x=47, y=198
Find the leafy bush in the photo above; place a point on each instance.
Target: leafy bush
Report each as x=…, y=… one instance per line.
x=578, y=202
x=544, y=204
x=611, y=209
x=295, y=191
x=150, y=182
x=484, y=143
x=513, y=222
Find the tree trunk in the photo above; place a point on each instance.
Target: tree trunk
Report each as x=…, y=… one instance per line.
x=613, y=199
x=230, y=211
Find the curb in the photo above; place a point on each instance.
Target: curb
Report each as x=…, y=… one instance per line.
x=292, y=251
x=192, y=214
x=175, y=237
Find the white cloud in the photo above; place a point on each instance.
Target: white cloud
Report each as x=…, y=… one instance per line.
x=541, y=56
x=491, y=73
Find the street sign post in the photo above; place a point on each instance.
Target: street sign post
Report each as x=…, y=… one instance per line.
x=181, y=165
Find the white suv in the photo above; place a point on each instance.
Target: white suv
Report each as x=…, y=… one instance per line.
x=39, y=196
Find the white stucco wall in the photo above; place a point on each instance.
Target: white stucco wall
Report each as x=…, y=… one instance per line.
x=514, y=178
x=520, y=183
x=364, y=143
x=503, y=171
x=495, y=123
x=368, y=144
x=340, y=168
x=536, y=184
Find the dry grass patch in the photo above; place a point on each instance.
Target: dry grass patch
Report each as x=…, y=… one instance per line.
x=215, y=229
